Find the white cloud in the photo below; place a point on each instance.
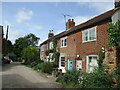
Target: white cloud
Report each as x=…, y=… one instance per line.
x=14, y=34
x=34, y=27
x=81, y=19
x=24, y=15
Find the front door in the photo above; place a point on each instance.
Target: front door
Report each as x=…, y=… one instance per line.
x=70, y=64
x=91, y=63
x=79, y=65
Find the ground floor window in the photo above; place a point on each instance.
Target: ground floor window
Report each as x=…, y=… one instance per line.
x=91, y=63
x=63, y=61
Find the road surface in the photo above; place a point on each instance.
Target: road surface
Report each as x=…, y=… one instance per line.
x=15, y=75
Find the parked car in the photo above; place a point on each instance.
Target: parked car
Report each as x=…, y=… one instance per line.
x=6, y=60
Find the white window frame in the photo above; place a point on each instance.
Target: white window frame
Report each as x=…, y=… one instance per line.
x=88, y=30
x=63, y=40
x=87, y=61
x=51, y=45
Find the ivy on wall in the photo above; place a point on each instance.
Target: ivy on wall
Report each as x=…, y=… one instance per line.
x=114, y=34
x=56, y=54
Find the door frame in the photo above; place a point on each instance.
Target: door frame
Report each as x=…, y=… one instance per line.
x=87, y=60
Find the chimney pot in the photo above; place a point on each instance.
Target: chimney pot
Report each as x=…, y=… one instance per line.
x=72, y=20
x=69, y=20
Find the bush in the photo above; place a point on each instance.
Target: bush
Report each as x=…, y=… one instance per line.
x=38, y=66
x=98, y=79
x=71, y=76
x=48, y=67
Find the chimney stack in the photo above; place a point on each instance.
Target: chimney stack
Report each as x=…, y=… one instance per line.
x=117, y=3
x=50, y=34
x=70, y=23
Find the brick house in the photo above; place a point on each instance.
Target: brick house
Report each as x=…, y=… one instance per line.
x=79, y=45
x=1, y=38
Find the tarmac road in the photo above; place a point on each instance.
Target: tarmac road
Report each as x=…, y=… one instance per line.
x=16, y=75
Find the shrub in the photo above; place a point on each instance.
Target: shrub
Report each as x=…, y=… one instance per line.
x=48, y=67
x=97, y=79
x=38, y=66
x=71, y=76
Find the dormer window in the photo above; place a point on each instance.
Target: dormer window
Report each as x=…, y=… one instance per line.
x=89, y=35
x=64, y=42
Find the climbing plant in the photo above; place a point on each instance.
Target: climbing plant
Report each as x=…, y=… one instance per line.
x=56, y=54
x=114, y=34
x=101, y=57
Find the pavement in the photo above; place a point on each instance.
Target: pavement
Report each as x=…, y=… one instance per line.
x=16, y=75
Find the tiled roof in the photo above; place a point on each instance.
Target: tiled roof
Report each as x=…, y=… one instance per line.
x=92, y=22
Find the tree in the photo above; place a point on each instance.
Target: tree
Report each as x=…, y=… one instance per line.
x=23, y=42
x=30, y=54
x=7, y=47
x=114, y=34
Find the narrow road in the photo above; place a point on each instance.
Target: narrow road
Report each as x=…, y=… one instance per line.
x=15, y=75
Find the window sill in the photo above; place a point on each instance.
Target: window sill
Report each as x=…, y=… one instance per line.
x=88, y=41
x=63, y=46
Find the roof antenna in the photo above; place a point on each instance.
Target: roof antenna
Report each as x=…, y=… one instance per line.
x=65, y=15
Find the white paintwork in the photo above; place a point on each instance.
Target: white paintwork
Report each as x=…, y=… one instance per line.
x=79, y=64
x=61, y=67
x=63, y=42
x=88, y=34
x=93, y=64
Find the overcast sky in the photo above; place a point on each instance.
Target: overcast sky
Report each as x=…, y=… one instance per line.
x=40, y=17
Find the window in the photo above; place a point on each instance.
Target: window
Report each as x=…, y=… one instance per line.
x=51, y=45
x=42, y=48
x=64, y=42
x=89, y=35
x=63, y=61
x=91, y=63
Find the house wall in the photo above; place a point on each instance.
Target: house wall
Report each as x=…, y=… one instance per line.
x=75, y=46
x=42, y=53
x=92, y=47
x=1, y=37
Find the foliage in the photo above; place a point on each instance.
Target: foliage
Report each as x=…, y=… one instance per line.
x=101, y=57
x=7, y=47
x=23, y=42
x=30, y=54
x=48, y=67
x=56, y=57
x=38, y=66
x=97, y=79
x=71, y=76
x=116, y=74
x=114, y=34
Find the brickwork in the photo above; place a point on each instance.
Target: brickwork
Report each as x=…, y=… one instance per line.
x=112, y=58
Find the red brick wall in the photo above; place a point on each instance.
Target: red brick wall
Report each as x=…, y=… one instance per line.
x=76, y=47
x=1, y=33
x=43, y=52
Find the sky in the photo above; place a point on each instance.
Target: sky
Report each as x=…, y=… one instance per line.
x=40, y=17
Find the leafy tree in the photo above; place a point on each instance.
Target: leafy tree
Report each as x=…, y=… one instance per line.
x=30, y=54
x=7, y=47
x=114, y=34
x=23, y=42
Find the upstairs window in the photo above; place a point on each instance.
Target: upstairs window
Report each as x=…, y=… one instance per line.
x=51, y=45
x=64, y=42
x=89, y=35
